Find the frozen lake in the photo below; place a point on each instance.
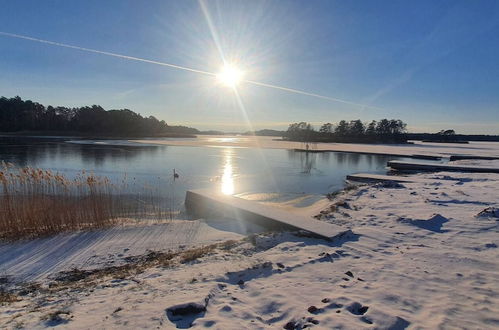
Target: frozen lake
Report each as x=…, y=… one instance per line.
x=275, y=173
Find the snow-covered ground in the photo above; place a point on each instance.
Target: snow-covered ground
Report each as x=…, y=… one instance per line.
x=490, y=149
x=37, y=259
x=421, y=257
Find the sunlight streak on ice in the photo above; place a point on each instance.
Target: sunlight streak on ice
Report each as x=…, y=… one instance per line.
x=228, y=172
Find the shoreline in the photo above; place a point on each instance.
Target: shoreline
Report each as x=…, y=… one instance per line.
x=415, y=150
x=62, y=135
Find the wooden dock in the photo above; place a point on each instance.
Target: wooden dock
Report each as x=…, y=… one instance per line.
x=206, y=203
x=427, y=167
x=369, y=178
x=461, y=157
x=415, y=156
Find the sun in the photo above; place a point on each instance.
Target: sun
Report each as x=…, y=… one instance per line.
x=230, y=76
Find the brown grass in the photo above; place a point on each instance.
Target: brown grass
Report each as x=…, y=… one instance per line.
x=76, y=279
x=7, y=297
x=137, y=264
x=36, y=202
x=193, y=254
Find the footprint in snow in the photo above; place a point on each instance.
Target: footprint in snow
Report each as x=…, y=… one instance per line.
x=434, y=223
x=357, y=308
x=184, y=315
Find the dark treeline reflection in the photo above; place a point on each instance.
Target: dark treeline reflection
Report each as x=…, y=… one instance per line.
x=26, y=151
x=330, y=161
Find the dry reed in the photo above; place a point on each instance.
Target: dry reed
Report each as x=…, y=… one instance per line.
x=36, y=202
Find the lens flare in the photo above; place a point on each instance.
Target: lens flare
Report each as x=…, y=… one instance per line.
x=229, y=75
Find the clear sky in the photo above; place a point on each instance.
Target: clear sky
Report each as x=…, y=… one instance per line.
x=433, y=64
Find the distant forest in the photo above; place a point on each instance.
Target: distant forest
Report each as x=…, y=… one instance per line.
x=381, y=131
x=355, y=131
x=17, y=115
x=449, y=136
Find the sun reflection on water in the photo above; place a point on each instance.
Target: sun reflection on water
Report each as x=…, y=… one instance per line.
x=228, y=172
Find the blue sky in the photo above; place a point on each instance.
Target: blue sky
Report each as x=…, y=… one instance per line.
x=433, y=64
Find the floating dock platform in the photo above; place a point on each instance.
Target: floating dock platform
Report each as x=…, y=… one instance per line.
x=369, y=178
x=426, y=167
x=461, y=157
x=415, y=156
x=206, y=203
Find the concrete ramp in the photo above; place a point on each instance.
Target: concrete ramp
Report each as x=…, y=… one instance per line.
x=369, y=178
x=409, y=166
x=206, y=203
x=461, y=157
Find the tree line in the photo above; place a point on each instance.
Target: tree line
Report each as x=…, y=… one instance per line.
x=18, y=115
x=355, y=131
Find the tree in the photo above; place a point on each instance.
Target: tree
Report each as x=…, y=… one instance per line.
x=356, y=128
x=301, y=131
x=371, y=128
x=447, y=132
x=342, y=128
x=383, y=127
x=397, y=127
x=17, y=115
x=326, y=128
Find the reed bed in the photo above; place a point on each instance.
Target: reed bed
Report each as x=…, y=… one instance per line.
x=37, y=202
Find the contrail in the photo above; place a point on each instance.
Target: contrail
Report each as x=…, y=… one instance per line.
x=132, y=58
x=174, y=66
x=291, y=90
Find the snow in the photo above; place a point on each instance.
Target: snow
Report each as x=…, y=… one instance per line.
x=40, y=258
x=490, y=149
x=423, y=255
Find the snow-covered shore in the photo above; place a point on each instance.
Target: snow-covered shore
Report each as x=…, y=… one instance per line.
x=423, y=255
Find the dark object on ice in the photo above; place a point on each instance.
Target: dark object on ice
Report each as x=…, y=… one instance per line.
x=183, y=315
x=280, y=265
x=325, y=300
x=175, y=175
x=240, y=282
x=349, y=273
x=291, y=325
x=357, y=309
x=489, y=212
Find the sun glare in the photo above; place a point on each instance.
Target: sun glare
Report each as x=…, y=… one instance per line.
x=230, y=76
